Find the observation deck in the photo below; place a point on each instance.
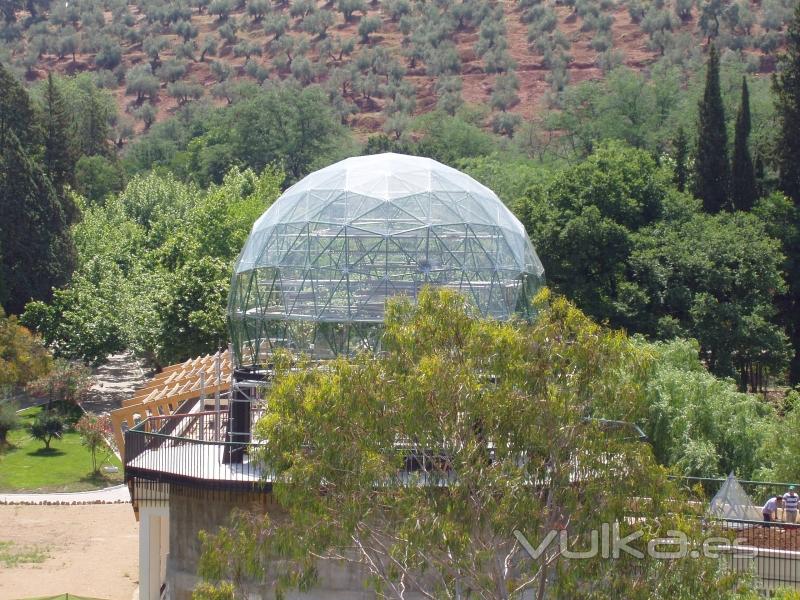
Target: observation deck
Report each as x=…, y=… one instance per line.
x=192, y=449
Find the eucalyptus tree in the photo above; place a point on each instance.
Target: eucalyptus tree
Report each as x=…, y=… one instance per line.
x=497, y=416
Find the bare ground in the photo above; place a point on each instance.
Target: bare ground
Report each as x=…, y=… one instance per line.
x=92, y=550
x=113, y=382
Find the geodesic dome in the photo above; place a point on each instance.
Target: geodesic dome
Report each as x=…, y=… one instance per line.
x=320, y=263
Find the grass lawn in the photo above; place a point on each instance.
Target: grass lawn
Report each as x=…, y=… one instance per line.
x=25, y=465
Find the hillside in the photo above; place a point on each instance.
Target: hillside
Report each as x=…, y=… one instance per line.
x=383, y=61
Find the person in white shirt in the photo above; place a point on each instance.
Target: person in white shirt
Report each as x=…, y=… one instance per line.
x=790, y=501
x=770, y=510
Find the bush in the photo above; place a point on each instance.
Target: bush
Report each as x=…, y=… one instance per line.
x=94, y=431
x=68, y=382
x=23, y=357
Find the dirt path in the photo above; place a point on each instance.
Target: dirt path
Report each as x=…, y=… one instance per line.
x=114, y=381
x=90, y=551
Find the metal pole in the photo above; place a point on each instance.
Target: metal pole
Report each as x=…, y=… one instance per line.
x=202, y=398
x=218, y=369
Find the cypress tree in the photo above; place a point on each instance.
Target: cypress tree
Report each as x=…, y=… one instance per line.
x=95, y=127
x=59, y=157
x=35, y=244
x=744, y=191
x=16, y=110
x=681, y=146
x=786, y=86
x=711, y=163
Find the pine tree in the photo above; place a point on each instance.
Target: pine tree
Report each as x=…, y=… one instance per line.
x=59, y=156
x=35, y=244
x=711, y=163
x=744, y=191
x=681, y=146
x=786, y=86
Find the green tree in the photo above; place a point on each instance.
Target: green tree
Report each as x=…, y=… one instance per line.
x=23, y=357
x=97, y=176
x=681, y=149
x=582, y=224
x=714, y=278
x=287, y=125
x=95, y=124
x=193, y=317
x=700, y=424
x=786, y=87
x=349, y=7
x=367, y=26
x=417, y=489
x=16, y=110
x=712, y=170
x=59, y=154
x=780, y=443
x=47, y=426
x=35, y=243
x=9, y=420
x=449, y=139
x=744, y=192
x=781, y=219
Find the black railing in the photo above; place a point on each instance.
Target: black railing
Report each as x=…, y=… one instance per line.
x=191, y=453
x=768, y=551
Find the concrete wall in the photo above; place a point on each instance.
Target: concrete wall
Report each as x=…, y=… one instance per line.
x=191, y=511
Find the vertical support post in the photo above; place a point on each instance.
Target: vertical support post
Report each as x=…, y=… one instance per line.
x=155, y=558
x=144, y=554
x=239, y=425
x=150, y=573
x=218, y=373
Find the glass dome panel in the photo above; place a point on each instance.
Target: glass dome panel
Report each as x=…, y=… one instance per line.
x=320, y=263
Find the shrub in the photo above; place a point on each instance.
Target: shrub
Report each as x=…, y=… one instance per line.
x=23, y=357
x=94, y=430
x=68, y=382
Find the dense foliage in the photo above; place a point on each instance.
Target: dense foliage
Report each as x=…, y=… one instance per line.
x=35, y=246
x=449, y=388
x=23, y=357
x=154, y=268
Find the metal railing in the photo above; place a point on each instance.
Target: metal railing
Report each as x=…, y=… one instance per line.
x=190, y=449
x=768, y=551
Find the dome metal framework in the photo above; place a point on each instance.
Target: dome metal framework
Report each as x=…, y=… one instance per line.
x=320, y=263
